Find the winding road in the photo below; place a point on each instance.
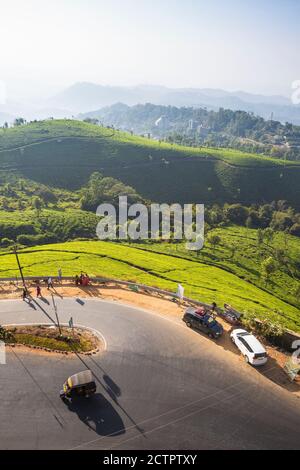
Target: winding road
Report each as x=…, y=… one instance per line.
x=160, y=386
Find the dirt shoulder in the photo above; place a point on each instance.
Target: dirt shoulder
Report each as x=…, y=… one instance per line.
x=162, y=305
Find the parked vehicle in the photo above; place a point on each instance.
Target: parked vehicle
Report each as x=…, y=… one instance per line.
x=203, y=321
x=252, y=350
x=230, y=314
x=79, y=385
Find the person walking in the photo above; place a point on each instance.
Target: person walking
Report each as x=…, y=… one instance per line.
x=50, y=283
x=38, y=291
x=60, y=275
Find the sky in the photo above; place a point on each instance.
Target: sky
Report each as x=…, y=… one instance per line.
x=229, y=44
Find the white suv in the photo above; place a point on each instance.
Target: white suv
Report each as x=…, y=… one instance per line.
x=250, y=347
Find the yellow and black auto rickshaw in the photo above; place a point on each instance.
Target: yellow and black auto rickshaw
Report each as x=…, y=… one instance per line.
x=79, y=385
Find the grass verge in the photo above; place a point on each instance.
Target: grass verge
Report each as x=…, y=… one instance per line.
x=50, y=338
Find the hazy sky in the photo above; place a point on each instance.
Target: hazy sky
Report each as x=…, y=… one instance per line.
x=253, y=45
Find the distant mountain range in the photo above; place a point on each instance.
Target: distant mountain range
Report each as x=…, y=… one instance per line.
x=84, y=97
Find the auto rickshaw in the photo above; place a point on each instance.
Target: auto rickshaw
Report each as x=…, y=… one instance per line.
x=79, y=385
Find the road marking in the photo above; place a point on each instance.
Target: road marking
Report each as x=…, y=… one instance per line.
x=165, y=414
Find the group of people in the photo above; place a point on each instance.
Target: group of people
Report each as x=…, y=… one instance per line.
x=82, y=280
x=48, y=282
x=204, y=310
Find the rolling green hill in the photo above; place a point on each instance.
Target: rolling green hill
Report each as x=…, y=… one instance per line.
x=64, y=153
x=240, y=253
x=202, y=281
x=53, y=160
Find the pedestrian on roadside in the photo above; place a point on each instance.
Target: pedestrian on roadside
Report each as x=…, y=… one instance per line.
x=77, y=280
x=24, y=294
x=60, y=275
x=50, y=283
x=38, y=291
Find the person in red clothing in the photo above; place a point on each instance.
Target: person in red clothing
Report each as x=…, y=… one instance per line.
x=201, y=311
x=38, y=291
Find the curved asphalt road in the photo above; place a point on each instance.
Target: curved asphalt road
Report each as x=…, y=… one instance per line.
x=161, y=386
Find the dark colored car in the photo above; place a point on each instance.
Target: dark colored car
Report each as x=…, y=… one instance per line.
x=205, y=323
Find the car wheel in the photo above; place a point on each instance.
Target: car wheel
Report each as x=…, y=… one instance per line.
x=247, y=359
x=210, y=335
x=232, y=339
x=188, y=324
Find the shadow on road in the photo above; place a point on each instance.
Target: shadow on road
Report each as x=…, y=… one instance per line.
x=98, y=414
x=55, y=292
x=272, y=370
x=112, y=386
x=30, y=304
x=112, y=390
x=44, y=311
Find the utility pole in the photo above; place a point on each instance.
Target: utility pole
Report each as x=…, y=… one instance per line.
x=20, y=267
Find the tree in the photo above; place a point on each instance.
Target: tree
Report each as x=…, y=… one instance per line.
x=260, y=236
x=295, y=230
x=37, y=204
x=19, y=121
x=102, y=189
x=265, y=213
x=237, y=214
x=233, y=250
x=91, y=120
x=296, y=292
x=214, y=240
x=268, y=235
x=5, y=335
x=280, y=255
x=255, y=220
x=6, y=242
x=282, y=205
x=268, y=267
x=46, y=195
x=281, y=221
